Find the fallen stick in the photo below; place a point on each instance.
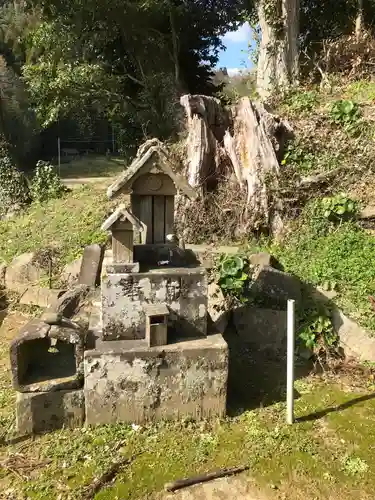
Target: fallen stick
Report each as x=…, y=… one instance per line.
x=203, y=478
x=90, y=491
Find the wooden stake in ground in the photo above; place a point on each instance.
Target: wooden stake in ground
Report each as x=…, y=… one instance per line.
x=290, y=363
x=184, y=483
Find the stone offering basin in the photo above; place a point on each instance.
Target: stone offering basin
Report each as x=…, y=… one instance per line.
x=47, y=358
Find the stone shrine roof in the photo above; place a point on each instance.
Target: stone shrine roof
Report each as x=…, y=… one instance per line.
x=152, y=157
x=122, y=213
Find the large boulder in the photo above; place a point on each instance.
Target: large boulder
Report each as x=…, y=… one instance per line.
x=274, y=288
x=262, y=329
x=41, y=297
x=22, y=272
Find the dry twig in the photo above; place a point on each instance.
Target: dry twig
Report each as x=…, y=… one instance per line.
x=203, y=478
x=98, y=483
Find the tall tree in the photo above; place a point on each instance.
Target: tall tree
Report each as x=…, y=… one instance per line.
x=141, y=46
x=18, y=124
x=278, y=55
x=17, y=21
x=359, y=20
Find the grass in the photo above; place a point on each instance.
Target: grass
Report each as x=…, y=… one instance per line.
x=343, y=256
x=343, y=259
x=322, y=455
x=362, y=91
x=68, y=224
x=92, y=166
x=320, y=144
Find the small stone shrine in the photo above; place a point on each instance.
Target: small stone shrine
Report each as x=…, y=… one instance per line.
x=149, y=355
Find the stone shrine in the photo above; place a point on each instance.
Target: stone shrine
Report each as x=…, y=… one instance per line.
x=146, y=354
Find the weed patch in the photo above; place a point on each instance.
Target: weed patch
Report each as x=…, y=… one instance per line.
x=67, y=224
x=343, y=256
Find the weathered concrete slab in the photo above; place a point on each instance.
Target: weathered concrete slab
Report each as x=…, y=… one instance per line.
x=41, y=297
x=264, y=329
x=92, y=261
x=183, y=290
x=47, y=411
x=22, y=272
x=125, y=381
x=276, y=286
x=34, y=330
x=261, y=259
x=114, y=268
x=71, y=272
x=355, y=340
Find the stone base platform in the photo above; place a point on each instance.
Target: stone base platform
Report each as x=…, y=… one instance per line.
x=39, y=412
x=125, y=381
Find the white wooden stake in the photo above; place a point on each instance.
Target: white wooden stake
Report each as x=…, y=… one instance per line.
x=290, y=364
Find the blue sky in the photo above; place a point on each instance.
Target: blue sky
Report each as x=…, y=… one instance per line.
x=235, y=56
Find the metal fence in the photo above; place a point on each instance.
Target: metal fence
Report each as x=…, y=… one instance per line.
x=73, y=149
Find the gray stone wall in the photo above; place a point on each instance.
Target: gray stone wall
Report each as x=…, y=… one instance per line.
x=183, y=291
x=47, y=411
x=139, y=384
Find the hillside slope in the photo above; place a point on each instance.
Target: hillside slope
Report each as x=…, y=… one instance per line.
x=334, y=139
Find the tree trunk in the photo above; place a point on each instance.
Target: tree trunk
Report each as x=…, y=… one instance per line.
x=233, y=151
x=250, y=141
x=278, y=54
x=207, y=122
x=259, y=165
x=175, y=45
x=359, y=21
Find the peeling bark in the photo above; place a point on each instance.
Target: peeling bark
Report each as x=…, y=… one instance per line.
x=251, y=141
x=207, y=123
x=260, y=167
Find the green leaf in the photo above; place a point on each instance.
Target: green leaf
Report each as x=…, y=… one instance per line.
x=311, y=343
x=347, y=106
x=350, y=206
x=232, y=265
x=340, y=210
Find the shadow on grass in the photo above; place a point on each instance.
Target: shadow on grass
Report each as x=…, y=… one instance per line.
x=335, y=409
x=257, y=377
x=257, y=351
